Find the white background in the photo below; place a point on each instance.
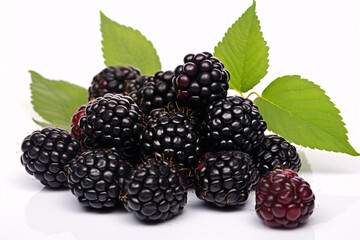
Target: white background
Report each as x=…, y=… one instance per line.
x=319, y=40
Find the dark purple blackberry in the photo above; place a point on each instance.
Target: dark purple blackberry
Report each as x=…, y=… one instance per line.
x=158, y=93
x=276, y=152
x=155, y=191
x=46, y=153
x=233, y=123
x=201, y=80
x=97, y=178
x=225, y=178
x=112, y=121
x=173, y=135
x=114, y=79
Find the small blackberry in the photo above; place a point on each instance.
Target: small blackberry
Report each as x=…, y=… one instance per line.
x=173, y=135
x=225, y=178
x=112, y=121
x=233, y=123
x=112, y=79
x=283, y=199
x=201, y=80
x=97, y=177
x=276, y=152
x=155, y=191
x=158, y=93
x=46, y=153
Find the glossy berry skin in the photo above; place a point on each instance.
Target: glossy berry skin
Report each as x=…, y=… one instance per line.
x=76, y=131
x=112, y=121
x=233, y=123
x=158, y=93
x=97, y=178
x=155, y=191
x=46, y=153
x=225, y=178
x=113, y=79
x=173, y=135
x=200, y=80
x=283, y=199
x=275, y=152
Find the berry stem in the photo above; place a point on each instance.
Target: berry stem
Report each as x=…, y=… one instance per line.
x=241, y=94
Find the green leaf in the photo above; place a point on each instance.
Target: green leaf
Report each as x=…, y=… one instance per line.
x=55, y=101
x=301, y=112
x=244, y=52
x=127, y=47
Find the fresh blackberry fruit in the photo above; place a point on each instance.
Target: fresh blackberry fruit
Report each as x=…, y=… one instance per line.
x=201, y=80
x=112, y=121
x=113, y=79
x=276, y=152
x=225, y=178
x=97, y=178
x=173, y=135
x=283, y=199
x=233, y=123
x=155, y=191
x=46, y=153
x=158, y=93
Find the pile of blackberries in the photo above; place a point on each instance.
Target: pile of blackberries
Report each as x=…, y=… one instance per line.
x=142, y=141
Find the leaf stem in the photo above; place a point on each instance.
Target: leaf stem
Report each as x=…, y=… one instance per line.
x=255, y=94
x=239, y=93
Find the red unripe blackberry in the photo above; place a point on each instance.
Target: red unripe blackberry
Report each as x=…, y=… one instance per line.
x=155, y=191
x=283, y=199
x=113, y=79
x=201, y=80
x=225, y=178
x=76, y=131
x=46, y=153
x=275, y=152
x=233, y=123
x=97, y=178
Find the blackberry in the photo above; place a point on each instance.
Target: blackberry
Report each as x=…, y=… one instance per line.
x=112, y=79
x=276, y=152
x=225, y=178
x=46, y=153
x=201, y=80
x=233, y=123
x=283, y=199
x=155, y=191
x=158, y=93
x=112, y=121
x=97, y=178
x=173, y=135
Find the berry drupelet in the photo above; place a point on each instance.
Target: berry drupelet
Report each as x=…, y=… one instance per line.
x=225, y=178
x=200, y=80
x=233, y=123
x=283, y=199
x=46, y=153
x=155, y=191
